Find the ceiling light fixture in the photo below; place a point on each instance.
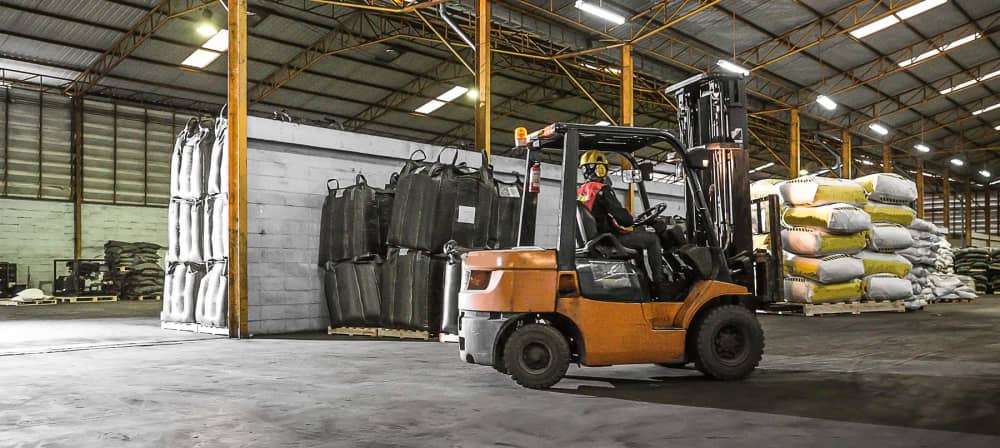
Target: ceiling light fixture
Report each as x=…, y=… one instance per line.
x=429, y=107
x=219, y=42
x=762, y=167
x=210, y=50
x=598, y=11
x=997, y=128
x=200, y=58
x=603, y=123
x=922, y=147
x=473, y=94
x=206, y=27
x=451, y=95
x=866, y=162
x=985, y=109
x=942, y=49
x=893, y=19
x=957, y=162
x=984, y=173
x=731, y=67
x=826, y=102
x=879, y=129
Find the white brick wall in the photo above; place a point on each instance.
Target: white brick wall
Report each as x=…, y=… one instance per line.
x=33, y=233
x=287, y=167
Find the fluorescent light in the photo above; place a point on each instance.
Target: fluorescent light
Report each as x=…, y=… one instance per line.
x=959, y=86
x=935, y=51
x=997, y=128
x=822, y=171
x=200, y=58
x=603, y=123
x=985, y=109
x=922, y=147
x=875, y=26
x=219, y=42
x=919, y=8
x=879, y=129
x=598, y=11
x=984, y=173
x=957, y=162
x=995, y=182
x=762, y=167
x=206, y=29
x=472, y=94
x=730, y=67
x=429, y=107
x=826, y=102
x=453, y=93
x=866, y=162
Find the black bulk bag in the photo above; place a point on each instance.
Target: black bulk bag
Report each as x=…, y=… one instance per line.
x=507, y=221
x=412, y=284
x=452, y=285
x=350, y=222
x=466, y=206
x=352, y=292
x=414, y=208
x=384, y=199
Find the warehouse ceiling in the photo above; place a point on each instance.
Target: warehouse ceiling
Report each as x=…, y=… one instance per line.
x=922, y=76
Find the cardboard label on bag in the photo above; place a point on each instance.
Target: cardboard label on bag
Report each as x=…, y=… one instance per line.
x=466, y=215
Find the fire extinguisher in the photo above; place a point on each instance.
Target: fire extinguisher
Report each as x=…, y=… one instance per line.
x=535, y=178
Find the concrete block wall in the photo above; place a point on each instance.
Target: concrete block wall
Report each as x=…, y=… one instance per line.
x=287, y=167
x=33, y=233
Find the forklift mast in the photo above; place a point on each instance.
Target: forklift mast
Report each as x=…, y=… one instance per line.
x=712, y=113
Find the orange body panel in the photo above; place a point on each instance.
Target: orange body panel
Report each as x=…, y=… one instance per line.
x=702, y=293
x=513, y=291
x=520, y=259
x=618, y=333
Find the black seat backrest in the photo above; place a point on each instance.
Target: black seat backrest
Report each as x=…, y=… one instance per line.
x=586, y=225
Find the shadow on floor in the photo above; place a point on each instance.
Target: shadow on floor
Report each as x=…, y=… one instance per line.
x=928, y=402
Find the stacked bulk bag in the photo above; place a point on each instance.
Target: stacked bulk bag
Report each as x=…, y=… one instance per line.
x=411, y=290
x=452, y=286
x=352, y=291
x=466, y=207
x=507, y=218
x=212, y=305
x=889, y=196
x=930, y=255
x=415, y=209
x=180, y=292
x=974, y=262
x=823, y=228
x=351, y=222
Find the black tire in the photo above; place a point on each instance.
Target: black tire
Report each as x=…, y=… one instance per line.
x=728, y=342
x=536, y=356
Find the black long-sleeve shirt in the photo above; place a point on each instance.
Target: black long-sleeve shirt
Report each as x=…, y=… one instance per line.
x=608, y=211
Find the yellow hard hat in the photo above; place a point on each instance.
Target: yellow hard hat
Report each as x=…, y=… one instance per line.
x=593, y=157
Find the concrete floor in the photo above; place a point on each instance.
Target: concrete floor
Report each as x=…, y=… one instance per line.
x=928, y=378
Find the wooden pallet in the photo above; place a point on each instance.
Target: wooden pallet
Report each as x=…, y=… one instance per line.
x=87, y=299
x=35, y=302
x=380, y=332
x=194, y=328
x=142, y=298
x=818, y=309
x=951, y=301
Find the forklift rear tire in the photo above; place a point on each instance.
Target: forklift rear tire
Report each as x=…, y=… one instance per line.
x=536, y=356
x=728, y=343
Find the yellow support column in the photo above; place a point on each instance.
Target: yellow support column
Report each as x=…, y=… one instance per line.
x=628, y=113
x=886, y=158
x=920, y=189
x=968, y=213
x=483, y=72
x=795, y=143
x=846, y=158
x=946, y=199
x=237, y=115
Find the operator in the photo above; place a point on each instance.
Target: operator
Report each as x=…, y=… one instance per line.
x=597, y=195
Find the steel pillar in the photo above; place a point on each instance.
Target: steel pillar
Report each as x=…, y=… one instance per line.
x=237, y=115
x=483, y=71
x=846, y=158
x=795, y=144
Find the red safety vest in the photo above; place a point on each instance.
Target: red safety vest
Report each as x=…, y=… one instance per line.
x=587, y=194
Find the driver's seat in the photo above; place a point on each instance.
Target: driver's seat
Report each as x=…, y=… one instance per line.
x=590, y=244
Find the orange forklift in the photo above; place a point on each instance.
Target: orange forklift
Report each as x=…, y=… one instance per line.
x=529, y=312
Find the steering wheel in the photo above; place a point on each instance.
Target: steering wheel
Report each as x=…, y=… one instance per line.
x=650, y=214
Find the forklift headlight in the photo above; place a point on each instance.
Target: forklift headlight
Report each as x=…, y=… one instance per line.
x=478, y=280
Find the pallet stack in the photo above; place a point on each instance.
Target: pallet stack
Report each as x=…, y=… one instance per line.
x=890, y=197
x=194, y=282
x=135, y=269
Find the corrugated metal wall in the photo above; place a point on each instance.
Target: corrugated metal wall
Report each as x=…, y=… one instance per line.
x=126, y=149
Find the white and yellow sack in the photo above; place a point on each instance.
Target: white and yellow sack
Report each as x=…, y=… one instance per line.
x=829, y=269
x=834, y=218
x=803, y=290
x=899, y=214
x=765, y=187
x=812, y=191
x=887, y=237
x=813, y=242
x=888, y=187
x=886, y=287
x=878, y=263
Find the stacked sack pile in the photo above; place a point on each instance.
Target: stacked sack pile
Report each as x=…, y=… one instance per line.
x=824, y=227
x=135, y=268
x=886, y=271
x=195, y=280
x=385, y=251
x=924, y=254
x=975, y=262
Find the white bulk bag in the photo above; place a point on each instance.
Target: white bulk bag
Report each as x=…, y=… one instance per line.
x=200, y=156
x=184, y=231
x=173, y=227
x=220, y=227
x=817, y=243
x=879, y=263
x=803, y=290
x=180, y=292
x=922, y=225
x=212, y=303
x=888, y=187
x=889, y=237
x=197, y=232
x=834, y=218
x=887, y=287
x=219, y=150
x=765, y=187
x=830, y=269
x=811, y=191
x=207, y=223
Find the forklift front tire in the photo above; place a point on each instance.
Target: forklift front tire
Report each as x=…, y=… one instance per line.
x=728, y=342
x=536, y=356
